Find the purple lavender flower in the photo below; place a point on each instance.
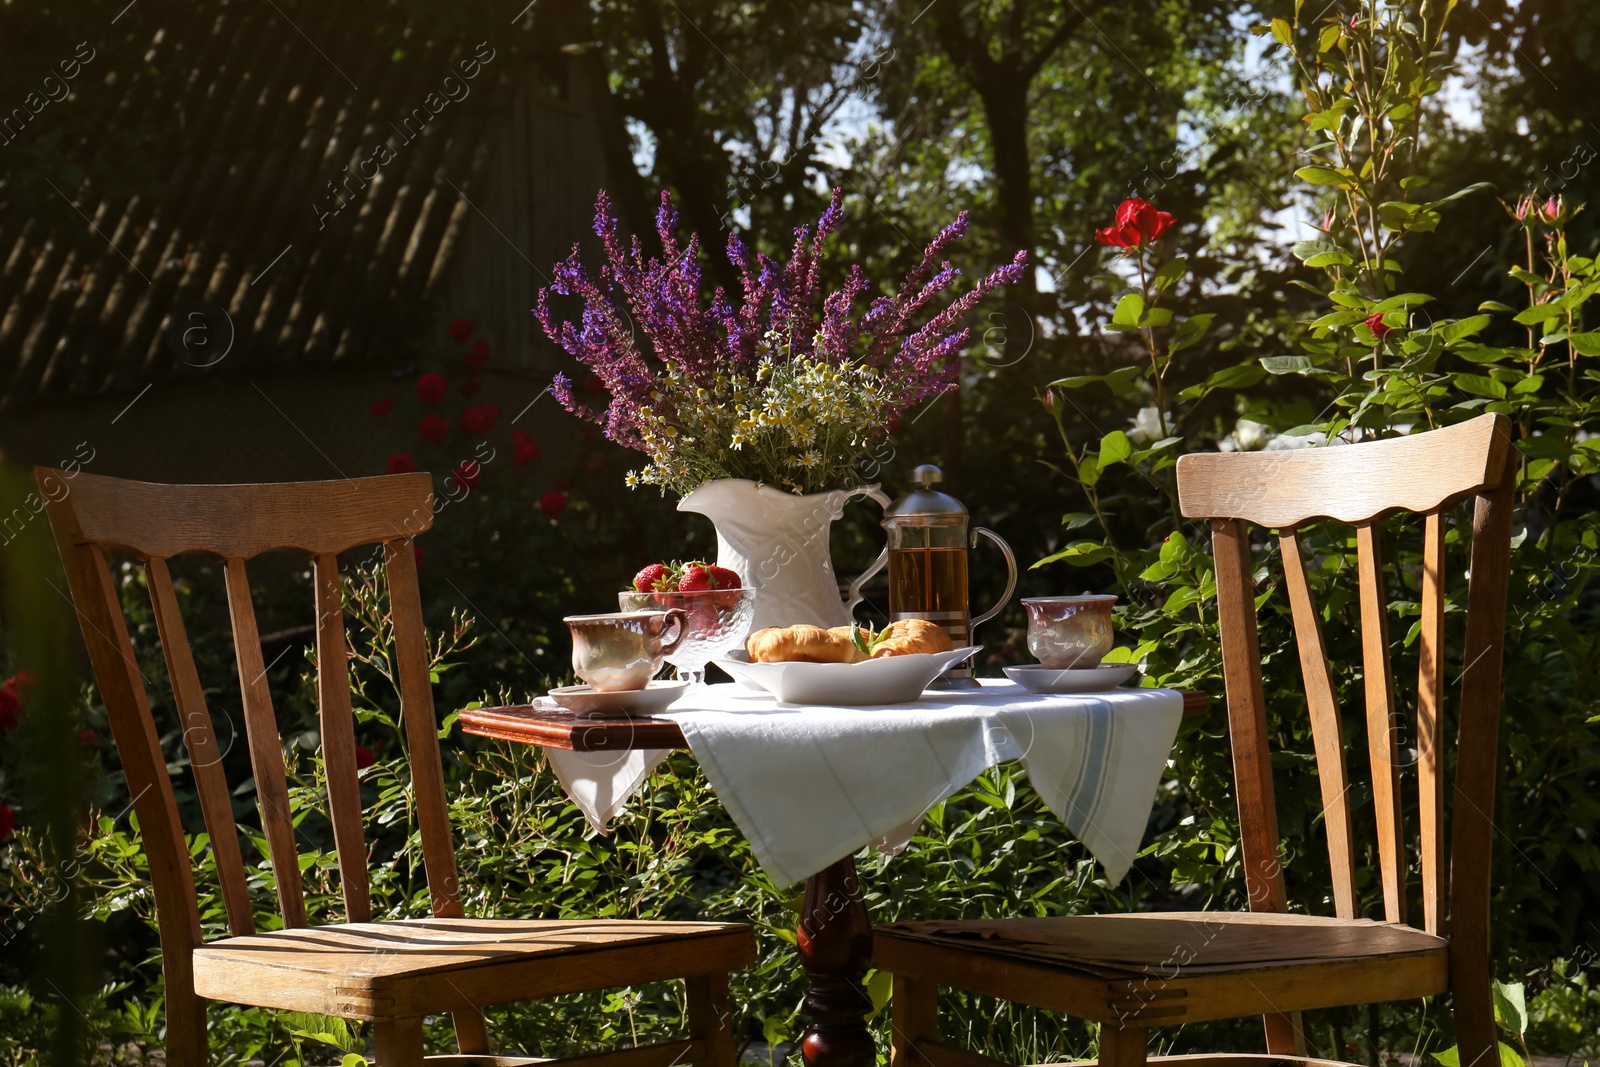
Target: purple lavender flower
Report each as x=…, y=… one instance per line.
x=701, y=335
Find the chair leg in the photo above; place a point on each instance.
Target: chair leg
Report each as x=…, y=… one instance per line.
x=471, y=1035
x=913, y=1017
x=711, y=1018
x=1122, y=1045
x=398, y=1042
x=186, y=1029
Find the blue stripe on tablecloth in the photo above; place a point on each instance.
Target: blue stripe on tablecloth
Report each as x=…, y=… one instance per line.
x=1083, y=806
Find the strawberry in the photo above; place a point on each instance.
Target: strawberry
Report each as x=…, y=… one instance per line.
x=695, y=578
x=653, y=579
x=723, y=578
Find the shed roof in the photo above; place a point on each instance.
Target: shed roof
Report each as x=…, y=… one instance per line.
x=320, y=161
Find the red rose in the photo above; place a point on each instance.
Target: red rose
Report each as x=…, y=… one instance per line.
x=1379, y=330
x=364, y=758
x=8, y=822
x=382, y=406
x=480, y=420
x=88, y=738
x=469, y=387
x=594, y=384
x=1138, y=223
x=460, y=329
x=8, y=707
x=522, y=448
x=553, y=503
x=478, y=356
x=401, y=463
x=433, y=428
x=431, y=388
x=469, y=474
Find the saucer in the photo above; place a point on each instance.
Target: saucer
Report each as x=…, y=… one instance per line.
x=1077, y=680
x=588, y=704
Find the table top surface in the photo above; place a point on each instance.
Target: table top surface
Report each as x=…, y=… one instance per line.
x=559, y=728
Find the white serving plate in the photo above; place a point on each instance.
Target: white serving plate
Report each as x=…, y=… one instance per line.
x=588, y=704
x=1076, y=680
x=890, y=680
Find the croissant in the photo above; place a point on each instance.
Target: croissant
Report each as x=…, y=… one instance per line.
x=800, y=644
x=905, y=637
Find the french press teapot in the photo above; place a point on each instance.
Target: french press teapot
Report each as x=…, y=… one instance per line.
x=928, y=543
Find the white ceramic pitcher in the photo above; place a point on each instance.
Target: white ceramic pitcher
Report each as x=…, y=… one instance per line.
x=778, y=543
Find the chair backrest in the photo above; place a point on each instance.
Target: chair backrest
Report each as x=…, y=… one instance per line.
x=91, y=514
x=1424, y=474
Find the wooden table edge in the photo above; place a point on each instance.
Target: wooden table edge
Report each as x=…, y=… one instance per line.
x=562, y=729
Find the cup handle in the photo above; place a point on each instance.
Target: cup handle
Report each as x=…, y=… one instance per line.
x=673, y=616
x=1011, y=574
x=854, y=597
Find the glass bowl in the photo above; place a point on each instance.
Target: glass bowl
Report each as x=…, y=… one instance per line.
x=719, y=621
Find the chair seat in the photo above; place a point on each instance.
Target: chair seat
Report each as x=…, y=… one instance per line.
x=431, y=966
x=1170, y=966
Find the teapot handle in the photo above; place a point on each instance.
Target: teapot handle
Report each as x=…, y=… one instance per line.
x=1011, y=574
x=854, y=597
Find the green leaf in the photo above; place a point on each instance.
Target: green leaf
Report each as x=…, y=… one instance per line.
x=1157, y=317
x=1330, y=259
x=1281, y=31
x=1494, y=305
x=1089, y=470
x=1510, y=1057
x=880, y=987
x=1114, y=448
x=1537, y=314
x=1325, y=176
x=353, y=1059
x=1461, y=329
x=1396, y=303
x=1328, y=37
x=1129, y=310
x=1304, y=250
x=1189, y=332
x=1480, y=385
x=1585, y=344
x=1511, y=1009
x=1078, y=554
x=1287, y=364
x=1450, y=1057
x=1171, y=272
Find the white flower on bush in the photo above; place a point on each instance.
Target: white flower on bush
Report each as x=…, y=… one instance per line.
x=1248, y=436
x=1145, y=427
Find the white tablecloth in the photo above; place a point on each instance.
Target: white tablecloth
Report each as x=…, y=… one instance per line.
x=808, y=786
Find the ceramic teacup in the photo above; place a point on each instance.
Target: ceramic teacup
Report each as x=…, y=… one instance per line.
x=1069, y=632
x=623, y=650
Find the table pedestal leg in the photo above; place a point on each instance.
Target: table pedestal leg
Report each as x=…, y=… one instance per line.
x=835, y=937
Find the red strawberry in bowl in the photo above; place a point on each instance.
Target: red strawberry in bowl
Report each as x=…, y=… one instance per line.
x=696, y=578
x=655, y=578
x=724, y=578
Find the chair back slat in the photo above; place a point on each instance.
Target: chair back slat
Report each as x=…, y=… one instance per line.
x=205, y=757
x=416, y=707
x=1477, y=748
x=1247, y=717
x=338, y=731
x=1351, y=483
x=1383, y=733
x=1327, y=728
x=266, y=746
x=243, y=521
x=1430, y=724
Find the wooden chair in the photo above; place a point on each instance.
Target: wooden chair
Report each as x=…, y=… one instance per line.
x=1131, y=972
x=392, y=973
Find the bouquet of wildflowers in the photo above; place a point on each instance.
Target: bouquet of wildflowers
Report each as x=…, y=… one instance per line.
x=783, y=385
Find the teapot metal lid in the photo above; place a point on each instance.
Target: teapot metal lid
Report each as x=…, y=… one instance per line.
x=925, y=505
